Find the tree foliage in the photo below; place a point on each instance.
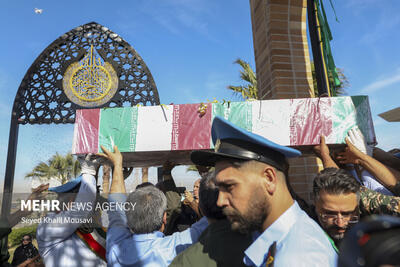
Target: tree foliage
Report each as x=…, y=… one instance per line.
x=60, y=167
x=250, y=89
x=247, y=74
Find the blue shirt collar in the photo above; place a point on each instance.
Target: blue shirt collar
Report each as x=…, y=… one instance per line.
x=150, y=236
x=257, y=252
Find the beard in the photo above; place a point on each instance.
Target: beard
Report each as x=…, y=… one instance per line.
x=253, y=218
x=334, y=234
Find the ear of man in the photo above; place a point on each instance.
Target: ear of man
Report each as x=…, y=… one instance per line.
x=165, y=217
x=270, y=179
x=270, y=175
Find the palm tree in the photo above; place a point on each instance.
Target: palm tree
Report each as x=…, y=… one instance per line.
x=250, y=90
x=63, y=168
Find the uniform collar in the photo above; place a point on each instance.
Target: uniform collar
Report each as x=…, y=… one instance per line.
x=257, y=252
x=150, y=236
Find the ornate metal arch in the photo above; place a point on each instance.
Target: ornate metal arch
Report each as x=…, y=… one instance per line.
x=41, y=98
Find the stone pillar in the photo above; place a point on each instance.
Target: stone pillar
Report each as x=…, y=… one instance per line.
x=283, y=67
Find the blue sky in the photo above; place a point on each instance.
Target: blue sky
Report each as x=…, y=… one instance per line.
x=189, y=46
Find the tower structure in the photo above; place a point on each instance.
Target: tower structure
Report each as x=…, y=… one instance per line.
x=283, y=67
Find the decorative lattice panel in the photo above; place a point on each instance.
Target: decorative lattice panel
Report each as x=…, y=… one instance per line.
x=42, y=98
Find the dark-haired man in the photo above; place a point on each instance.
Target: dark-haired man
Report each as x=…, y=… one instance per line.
x=336, y=197
x=218, y=245
x=251, y=176
x=340, y=200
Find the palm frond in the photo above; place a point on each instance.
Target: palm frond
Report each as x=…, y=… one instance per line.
x=248, y=91
x=58, y=166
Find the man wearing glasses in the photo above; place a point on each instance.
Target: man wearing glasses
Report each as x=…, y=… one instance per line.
x=336, y=196
x=340, y=201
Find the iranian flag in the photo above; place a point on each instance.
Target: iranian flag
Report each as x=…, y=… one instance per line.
x=291, y=122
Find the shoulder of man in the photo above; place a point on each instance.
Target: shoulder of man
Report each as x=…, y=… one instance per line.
x=193, y=256
x=312, y=238
x=308, y=260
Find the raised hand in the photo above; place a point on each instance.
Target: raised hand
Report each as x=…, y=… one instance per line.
x=188, y=197
x=117, y=184
x=114, y=157
x=351, y=154
x=90, y=164
x=39, y=192
x=357, y=138
x=321, y=150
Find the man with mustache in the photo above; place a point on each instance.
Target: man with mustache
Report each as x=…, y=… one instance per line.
x=251, y=175
x=340, y=200
x=336, y=198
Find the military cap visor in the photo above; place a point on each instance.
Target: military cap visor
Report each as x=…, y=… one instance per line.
x=233, y=142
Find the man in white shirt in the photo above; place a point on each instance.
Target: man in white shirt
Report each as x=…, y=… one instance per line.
x=251, y=175
x=60, y=241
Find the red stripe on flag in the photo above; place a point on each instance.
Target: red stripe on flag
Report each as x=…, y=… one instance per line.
x=87, y=131
x=309, y=119
x=190, y=130
x=93, y=244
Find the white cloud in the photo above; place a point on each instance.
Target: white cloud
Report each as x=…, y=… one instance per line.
x=382, y=28
x=382, y=83
x=358, y=4
x=383, y=25
x=176, y=15
x=216, y=81
x=167, y=23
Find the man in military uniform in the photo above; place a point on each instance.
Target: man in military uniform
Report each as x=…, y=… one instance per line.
x=251, y=175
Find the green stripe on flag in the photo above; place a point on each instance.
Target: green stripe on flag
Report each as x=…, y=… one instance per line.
x=118, y=126
x=363, y=115
x=343, y=117
x=239, y=113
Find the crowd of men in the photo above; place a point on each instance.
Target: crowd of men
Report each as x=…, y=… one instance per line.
x=243, y=210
